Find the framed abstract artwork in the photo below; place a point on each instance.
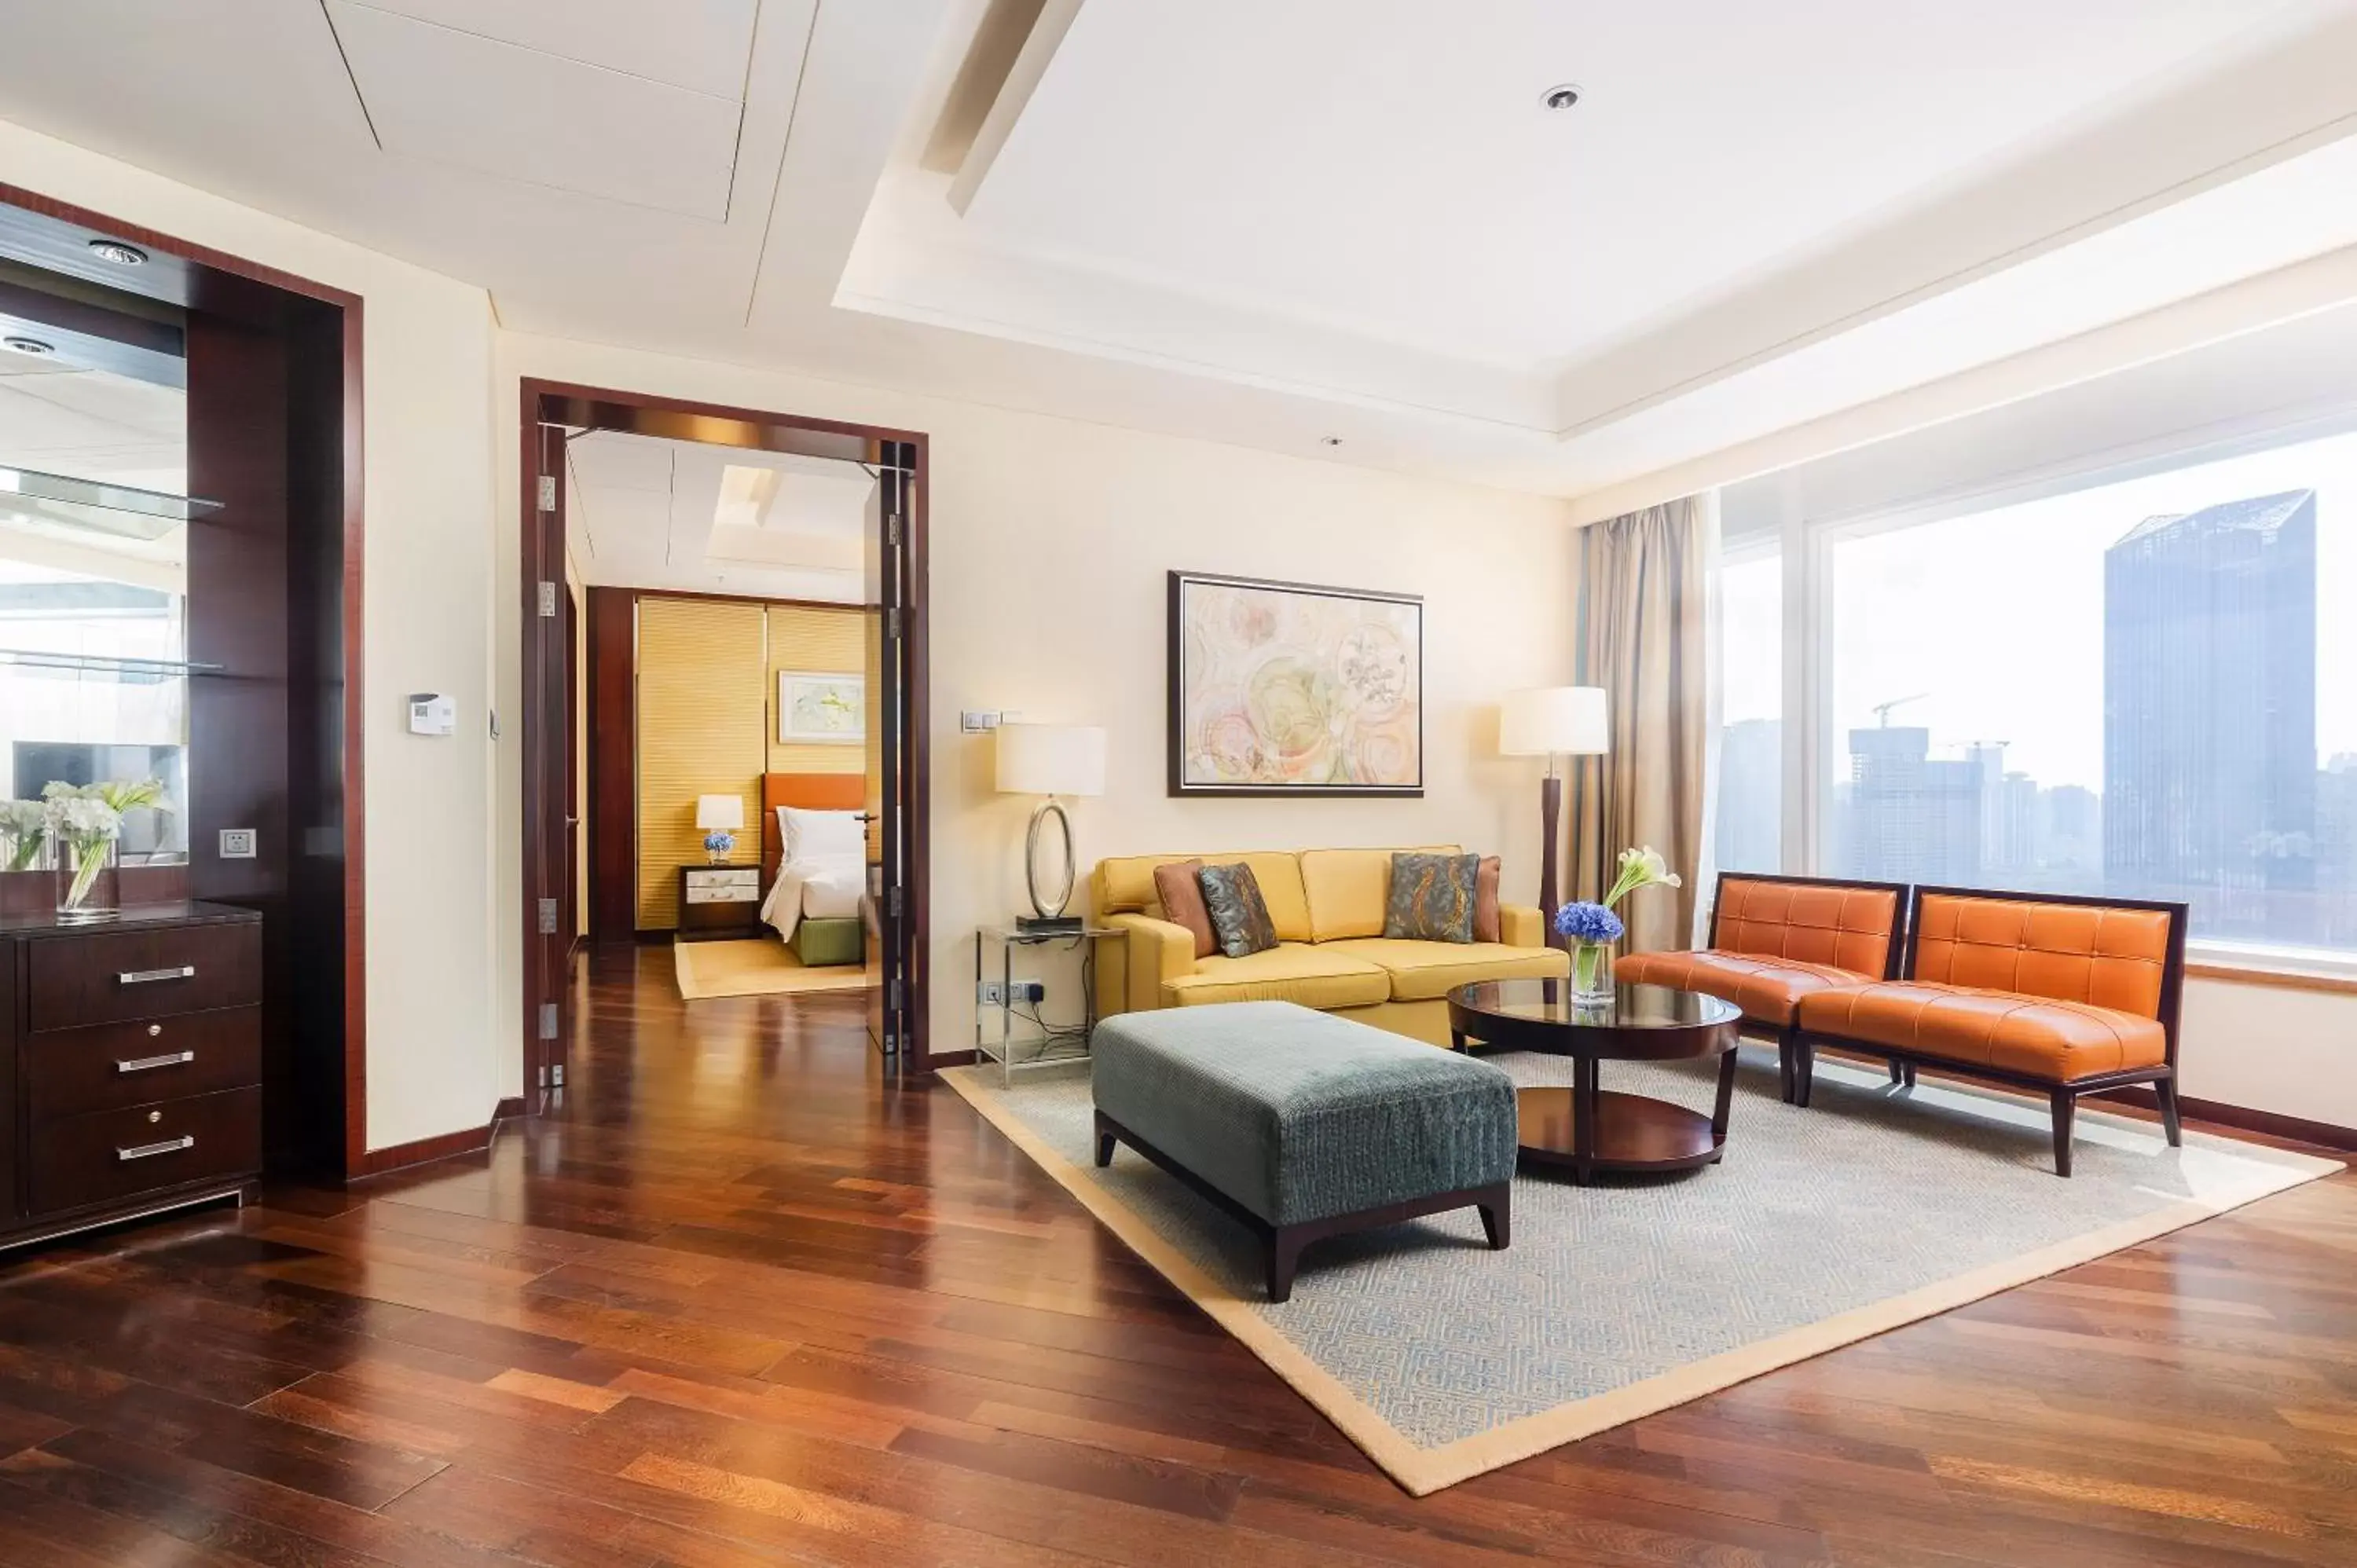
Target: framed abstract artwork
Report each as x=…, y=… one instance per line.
x=1284, y=689
x=815, y=708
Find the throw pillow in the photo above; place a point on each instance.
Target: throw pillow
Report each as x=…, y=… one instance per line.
x=1240, y=916
x=1182, y=903
x=1487, y=927
x=1432, y=897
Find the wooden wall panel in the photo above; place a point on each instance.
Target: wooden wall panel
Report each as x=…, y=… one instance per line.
x=829, y=641
x=611, y=733
x=702, y=730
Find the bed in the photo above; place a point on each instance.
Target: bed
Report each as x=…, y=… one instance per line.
x=814, y=888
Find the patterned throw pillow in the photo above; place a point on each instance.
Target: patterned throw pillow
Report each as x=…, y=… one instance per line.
x=1432, y=897
x=1238, y=916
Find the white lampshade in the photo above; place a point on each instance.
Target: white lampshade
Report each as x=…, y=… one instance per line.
x=721, y=813
x=1554, y=721
x=1052, y=760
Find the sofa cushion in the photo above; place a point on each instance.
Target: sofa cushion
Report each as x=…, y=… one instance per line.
x=1419, y=971
x=1239, y=919
x=1820, y=923
x=1766, y=989
x=1347, y=889
x=1291, y=971
x=1124, y=885
x=2107, y=957
x=2052, y=1041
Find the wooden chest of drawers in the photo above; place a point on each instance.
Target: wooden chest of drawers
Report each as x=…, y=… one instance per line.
x=133, y=1067
x=719, y=901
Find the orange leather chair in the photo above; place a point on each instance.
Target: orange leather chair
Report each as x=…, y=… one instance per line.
x=2041, y=990
x=1775, y=939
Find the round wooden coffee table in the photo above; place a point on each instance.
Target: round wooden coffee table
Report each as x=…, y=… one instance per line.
x=1586, y=1129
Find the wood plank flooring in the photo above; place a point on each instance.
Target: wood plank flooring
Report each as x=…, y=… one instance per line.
x=737, y=1302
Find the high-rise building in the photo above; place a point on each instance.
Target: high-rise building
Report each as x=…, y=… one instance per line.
x=2210, y=769
x=1911, y=818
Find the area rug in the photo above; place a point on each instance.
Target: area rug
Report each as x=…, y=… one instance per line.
x=758, y=967
x=1873, y=1208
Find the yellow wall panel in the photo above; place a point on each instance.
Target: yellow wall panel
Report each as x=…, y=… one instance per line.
x=702, y=715
x=825, y=641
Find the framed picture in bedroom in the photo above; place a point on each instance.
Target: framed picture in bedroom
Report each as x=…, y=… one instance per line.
x=815, y=708
x=1287, y=689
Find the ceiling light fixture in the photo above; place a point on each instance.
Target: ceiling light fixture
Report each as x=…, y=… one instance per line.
x=1563, y=96
x=27, y=346
x=121, y=255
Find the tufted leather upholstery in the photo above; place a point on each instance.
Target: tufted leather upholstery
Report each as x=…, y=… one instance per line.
x=1815, y=924
x=2107, y=958
x=1768, y=990
x=2057, y=1042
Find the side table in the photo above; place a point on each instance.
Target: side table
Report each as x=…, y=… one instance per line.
x=719, y=901
x=1041, y=1044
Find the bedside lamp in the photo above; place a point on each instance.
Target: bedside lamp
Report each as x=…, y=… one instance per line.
x=1052, y=760
x=1553, y=721
x=719, y=816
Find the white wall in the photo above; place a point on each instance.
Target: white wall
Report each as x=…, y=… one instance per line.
x=1050, y=543
x=432, y=1037
x=2270, y=1048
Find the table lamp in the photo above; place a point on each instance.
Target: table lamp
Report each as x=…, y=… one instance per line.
x=1553, y=721
x=719, y=816
x=1052, y=760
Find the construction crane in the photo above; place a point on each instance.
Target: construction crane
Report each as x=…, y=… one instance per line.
x=1882, y=710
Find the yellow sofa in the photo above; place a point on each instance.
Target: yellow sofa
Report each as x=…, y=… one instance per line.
x=1331, y=954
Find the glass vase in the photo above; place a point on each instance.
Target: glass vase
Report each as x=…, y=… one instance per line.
x=1591, y=972
x=85, y=893
x=23, y=849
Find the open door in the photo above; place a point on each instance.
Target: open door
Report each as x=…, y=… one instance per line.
x=890, y=793
x=547, y=747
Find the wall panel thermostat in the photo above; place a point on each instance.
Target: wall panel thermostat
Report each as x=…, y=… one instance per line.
x=432, y=714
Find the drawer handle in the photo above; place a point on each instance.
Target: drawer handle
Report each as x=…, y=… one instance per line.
x=149, y=1151
x=149, y=1064
x=149, y=976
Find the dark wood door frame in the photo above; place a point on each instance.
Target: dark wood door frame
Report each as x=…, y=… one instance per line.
x=321, y=327
x=546, y=403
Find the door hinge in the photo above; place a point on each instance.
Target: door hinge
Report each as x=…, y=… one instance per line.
x=548, y=492
x=892, y=902
x=892, y=623
x=892, y=528
x=556, y=1075
x=548, y=1020
x=548, y=917
x=548, y=599
x=894, y=993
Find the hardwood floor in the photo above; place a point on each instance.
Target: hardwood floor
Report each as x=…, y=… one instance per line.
x=739, y=1302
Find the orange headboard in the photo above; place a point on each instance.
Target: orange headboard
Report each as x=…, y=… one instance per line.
x=811, y=793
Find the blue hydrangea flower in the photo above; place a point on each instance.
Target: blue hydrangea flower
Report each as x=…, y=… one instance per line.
x=719, y=843
x=1587, y=923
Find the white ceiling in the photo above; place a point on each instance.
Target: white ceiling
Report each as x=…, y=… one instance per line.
x=1271, y=223
x=648, y=512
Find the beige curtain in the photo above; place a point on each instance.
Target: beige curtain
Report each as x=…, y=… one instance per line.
x=1642, y=634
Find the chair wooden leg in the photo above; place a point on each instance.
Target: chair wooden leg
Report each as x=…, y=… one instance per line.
x=1898, y=1072
x=2166, y=1092
x=1907, y=1071
x=1787, y=1047
x=2066, y=1107
x=1805, y=1073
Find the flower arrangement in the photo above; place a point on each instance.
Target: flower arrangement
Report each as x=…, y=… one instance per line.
x=24, y=829
x=717, y=844
x=85, y=819
x=1591, y=927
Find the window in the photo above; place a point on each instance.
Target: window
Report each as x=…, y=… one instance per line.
x=2126, y=689
x=1750, y=833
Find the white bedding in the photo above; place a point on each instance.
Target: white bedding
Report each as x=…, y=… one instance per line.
x=817, y=887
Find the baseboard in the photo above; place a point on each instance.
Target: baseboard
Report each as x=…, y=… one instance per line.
x=2242, y=1118
x=448, y=1145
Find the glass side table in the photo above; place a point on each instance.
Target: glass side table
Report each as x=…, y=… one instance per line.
x=1041, y=1044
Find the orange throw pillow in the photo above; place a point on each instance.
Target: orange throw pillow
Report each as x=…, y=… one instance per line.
x=1485, y=901
x=1182, y=903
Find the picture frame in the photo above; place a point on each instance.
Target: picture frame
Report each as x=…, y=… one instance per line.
x=817, y=707
x=1291, y=689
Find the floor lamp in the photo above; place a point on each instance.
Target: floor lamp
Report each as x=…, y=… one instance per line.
x=1553, y=721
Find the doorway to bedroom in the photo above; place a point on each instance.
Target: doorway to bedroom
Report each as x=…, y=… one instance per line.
x=723, y=646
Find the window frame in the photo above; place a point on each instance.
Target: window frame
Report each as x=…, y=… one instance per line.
x=1810, y=545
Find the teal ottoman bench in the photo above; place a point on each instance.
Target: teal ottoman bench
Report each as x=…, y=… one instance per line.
x=1304, y=1125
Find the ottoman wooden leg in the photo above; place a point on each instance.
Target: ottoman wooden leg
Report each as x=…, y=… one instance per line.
x=1497, y=1206
x=1284, y=1244
x=1105, y=1141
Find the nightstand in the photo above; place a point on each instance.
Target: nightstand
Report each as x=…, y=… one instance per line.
x=719, y=901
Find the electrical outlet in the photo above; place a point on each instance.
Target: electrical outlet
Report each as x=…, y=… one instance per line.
x=237, y=843
x=990, y=994
x=975, y=721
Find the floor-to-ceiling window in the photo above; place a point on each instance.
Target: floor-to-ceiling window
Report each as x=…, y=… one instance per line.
x=1750, y=833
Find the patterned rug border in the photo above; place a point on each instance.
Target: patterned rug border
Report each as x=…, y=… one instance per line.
x=1422, y=1471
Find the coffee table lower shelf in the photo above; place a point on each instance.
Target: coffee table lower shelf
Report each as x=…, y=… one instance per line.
x=1632, y=1134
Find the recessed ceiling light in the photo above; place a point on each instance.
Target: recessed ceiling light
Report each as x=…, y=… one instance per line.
x=1329, y=441
x=121, y=255
x=27, y=346
x=1563, y=96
